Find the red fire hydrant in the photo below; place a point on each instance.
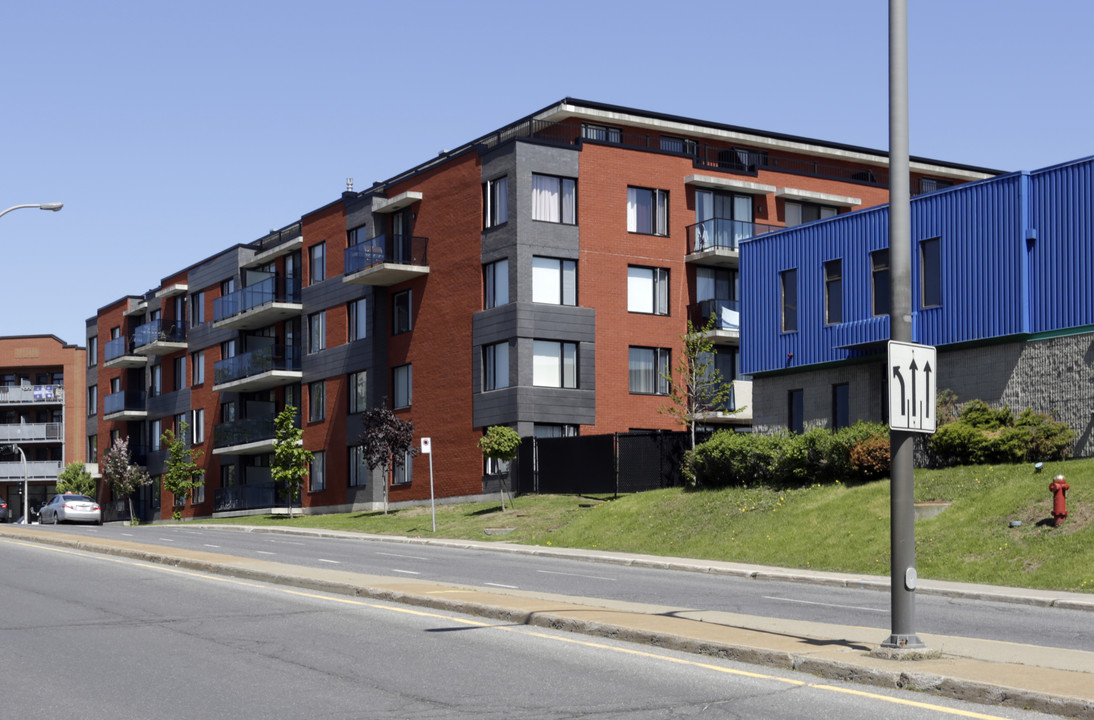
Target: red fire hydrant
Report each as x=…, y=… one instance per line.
x=1059, y=488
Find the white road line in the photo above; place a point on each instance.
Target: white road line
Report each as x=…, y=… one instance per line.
x=810, y=602
x=167, y=539
x=212, y=546
x=508, y=587
x=412, y=557
x=286, y=542
x=589, y=577
x=332, y=562
x=405, y=572
x=264, y=552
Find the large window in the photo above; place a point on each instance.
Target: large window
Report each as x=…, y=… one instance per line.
x=402, y=386
x=495, y=202
x=799, y=212
x=358, y=392
x=554, y=281
x=930, y=257
x=554, y=364
x=317, y=263
x=358, y=319
x=833, y=292
x=495, y=366
x=715, y=284
x=789, y=300
x=317, y=473
x=648, y=290
x=401, y=312
x=879, y=277
x=647, y=211
x=317, y=331
x=647, y=368
x=554, y=199
x=317, y=400
x=495, y=284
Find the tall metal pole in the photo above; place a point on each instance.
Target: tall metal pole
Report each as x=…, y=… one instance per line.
x=901, y=446
x=26, y=486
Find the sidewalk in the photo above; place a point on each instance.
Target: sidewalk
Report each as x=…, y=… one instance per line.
x=1049, y=680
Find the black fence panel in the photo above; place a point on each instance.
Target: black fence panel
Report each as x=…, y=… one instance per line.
x=577, y=465
x=648, y=461
x=524, y=468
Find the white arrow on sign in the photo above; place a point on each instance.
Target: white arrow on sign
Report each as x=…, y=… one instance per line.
x=913, y=387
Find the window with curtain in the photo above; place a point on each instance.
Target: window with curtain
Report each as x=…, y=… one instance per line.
x=648, y=290
x=554, y=364
x=554, y=281
x=554, y=199
x=647, y=211
x=647, y=367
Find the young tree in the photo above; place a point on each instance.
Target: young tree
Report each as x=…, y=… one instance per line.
x=181, y=473
x=697, y=386
x=387, y=441
x=501, y=443
x=75, y=479
x=122, y=475
x=290, y=460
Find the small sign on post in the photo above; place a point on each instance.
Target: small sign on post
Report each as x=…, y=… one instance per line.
x=426, y=446
x=913, y=387
x=427, y=449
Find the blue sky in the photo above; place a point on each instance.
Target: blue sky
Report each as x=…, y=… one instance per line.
x=173, y=130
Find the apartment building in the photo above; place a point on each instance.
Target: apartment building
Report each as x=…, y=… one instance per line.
x=40, y=423
x=538, y=277
x=1001, y=285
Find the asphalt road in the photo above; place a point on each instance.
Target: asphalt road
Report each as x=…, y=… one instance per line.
x=1050, y=627
x=96, y=636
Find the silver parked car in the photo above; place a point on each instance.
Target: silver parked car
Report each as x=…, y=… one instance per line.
x=70, y=508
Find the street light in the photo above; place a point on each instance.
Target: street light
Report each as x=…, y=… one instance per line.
x=43, y=206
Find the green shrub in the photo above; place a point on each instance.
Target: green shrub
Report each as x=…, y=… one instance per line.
x=1049, y=439
x=985, y=435
x=736, y=459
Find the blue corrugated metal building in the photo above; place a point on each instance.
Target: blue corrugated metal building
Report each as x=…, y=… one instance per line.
x=1002, y=283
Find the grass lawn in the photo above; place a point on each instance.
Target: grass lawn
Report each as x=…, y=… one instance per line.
x=831, y=527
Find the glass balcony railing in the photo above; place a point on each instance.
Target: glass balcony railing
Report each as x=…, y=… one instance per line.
x=243, y=432
x=723, y=234
x=256, y=362
x=397, y=249
x=159, y=331
x=244, y=497
x=135, y=400
x=266, y=292
x=116, y=348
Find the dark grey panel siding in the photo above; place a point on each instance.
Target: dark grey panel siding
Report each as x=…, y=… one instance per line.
x=169, y=404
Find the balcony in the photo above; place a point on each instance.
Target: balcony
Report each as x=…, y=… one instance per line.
x=244, y=497
x=727, y=319
x=258, y=370
x=740, y=396
x=260, y=305
x=32, y=395
x=714, y=242
x=159, y=338
x=386, y=260
x=35, y=470
x=125, y=405
x=31, y=432
x=252, y=436
x=118, y=353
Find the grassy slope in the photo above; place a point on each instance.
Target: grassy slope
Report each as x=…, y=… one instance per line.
x=834, y=527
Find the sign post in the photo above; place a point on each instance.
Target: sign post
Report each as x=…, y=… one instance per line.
x=427, y=449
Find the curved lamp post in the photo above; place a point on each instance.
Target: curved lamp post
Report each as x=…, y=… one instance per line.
x=43, y=206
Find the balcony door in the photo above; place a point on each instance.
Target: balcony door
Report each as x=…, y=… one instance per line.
x=724, y=218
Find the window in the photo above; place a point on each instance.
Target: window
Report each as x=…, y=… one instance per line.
x=550, y=430
x=92, y=400
x=180, y=373
x=841, y=406
x=93, y=351
x=495, y=366
x=879, y=276
x=402, y=386
x=798, y=213
x=156, y=431
x=833, y=292
x=155, y=383
x=197, y=430
x=589, y=131
x=495, y=283
x=647, y=211
x=317, y=473
x=789, y=300
x=715, y=284
x=197, y=494
x=495, y=202
x=402, y=472
x=228, y=349
x=722, y=219
x=358, y=392
x=115, y=385
x=795, y=410
x=358, y=467
x=227, y=476
x=928, y=185
x=554, y=281
x=317, y=331
x=554, y=364
x=401, y=321
x=227, y=287
x=930, y=257
x=228, y=411
x=317, y=400
x=317, y=262
x=678, y=145
x=647, y=367
x=648, y=290
x=92, y=448
x=554, y=199
x=358, y=319
x=182, y=430
x=197, y=308
x=197, y=365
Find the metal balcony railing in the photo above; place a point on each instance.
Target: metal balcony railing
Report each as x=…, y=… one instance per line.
x=243, y=432
x=270, y=290
x=158, y=331
x=727, y=314
x=397, y=249
x=35, y=470
x=256, y=362
x=723, y=233
x=31, y=432
x=125, y=400
x=30, y=394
